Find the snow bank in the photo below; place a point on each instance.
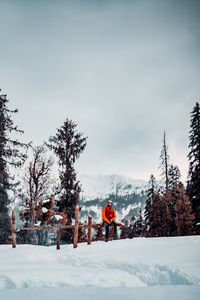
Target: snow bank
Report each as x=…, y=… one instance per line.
x=137, y=263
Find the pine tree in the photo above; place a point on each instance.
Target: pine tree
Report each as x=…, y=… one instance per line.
x=156, y=225
x=174, y=180
x=68, y=144
x=184, y=216
x=161, y=217
x=164, y=166
x=4, y=216
x=174, y=175
x=11, y=154
x=193, y=187
x=150, y=194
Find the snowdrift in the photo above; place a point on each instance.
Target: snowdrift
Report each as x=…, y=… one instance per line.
x=144, y=263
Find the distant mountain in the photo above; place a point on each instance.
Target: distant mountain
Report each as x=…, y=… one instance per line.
x=101, y=186
x=127, y=194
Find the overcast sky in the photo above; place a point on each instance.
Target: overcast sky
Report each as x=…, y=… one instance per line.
x=124, y=71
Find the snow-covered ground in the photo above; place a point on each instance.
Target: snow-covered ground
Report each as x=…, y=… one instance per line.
x=153, y=268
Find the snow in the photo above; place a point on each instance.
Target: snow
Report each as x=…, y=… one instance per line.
x=45, y=201
x=44, y=210
x=57, y=217
x=72, y=293
x=141, y=268
x=101, y=186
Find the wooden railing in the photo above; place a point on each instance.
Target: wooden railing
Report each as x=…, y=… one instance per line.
x=75, y=227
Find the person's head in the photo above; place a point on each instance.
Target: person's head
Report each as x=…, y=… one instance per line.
x=109, y=203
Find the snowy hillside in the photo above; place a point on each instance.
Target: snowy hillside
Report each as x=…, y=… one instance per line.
x=101, y=186
x=153, y=268
x=127, y=194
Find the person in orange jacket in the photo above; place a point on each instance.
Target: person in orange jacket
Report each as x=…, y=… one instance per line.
x=109, y=216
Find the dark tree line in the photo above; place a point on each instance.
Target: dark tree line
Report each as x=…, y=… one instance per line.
x=171, y=209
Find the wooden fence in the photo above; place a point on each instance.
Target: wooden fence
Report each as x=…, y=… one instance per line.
x=75, y=227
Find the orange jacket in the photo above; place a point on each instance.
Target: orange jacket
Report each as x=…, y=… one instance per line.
x=108, y=214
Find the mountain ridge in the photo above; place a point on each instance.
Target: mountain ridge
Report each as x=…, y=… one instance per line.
x=101, y=186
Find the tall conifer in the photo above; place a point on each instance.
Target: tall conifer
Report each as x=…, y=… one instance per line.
x=151, y=193
x=193, y=187
x=174, y=177
x=68, y=144
x=11, y=154
x=184, y=216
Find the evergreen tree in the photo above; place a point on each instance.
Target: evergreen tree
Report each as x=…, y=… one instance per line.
x=150, y=194
x=11, y=154
x=174, y=177
x=184, y=216
x=174, y=180
x=68, y=144
x=161, y=216
x=164, y=166
x=155, y=228
x=4, y=216
x=193, y=187
x=139, y=224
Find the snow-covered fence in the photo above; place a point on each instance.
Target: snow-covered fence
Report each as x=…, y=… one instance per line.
x=75, y=228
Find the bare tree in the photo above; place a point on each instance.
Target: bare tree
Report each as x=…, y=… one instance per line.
x=164, y=166
x=38, y=185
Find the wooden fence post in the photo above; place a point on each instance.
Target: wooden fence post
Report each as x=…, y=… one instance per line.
x=76, y=227
x=58, y=238
x=13, y=230
x=89, y=229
